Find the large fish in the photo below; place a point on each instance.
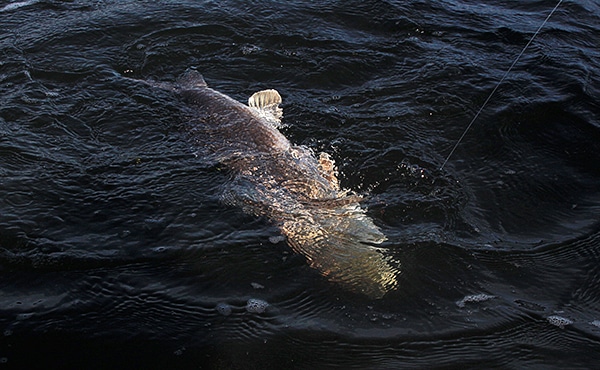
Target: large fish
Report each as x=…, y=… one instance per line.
x=288, y=184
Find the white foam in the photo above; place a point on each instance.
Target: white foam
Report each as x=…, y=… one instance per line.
x=559, y=321
x=474, y=298
x=17, y=5
x=256, y=305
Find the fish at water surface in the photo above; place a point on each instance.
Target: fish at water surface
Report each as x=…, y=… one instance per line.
x=286, y=183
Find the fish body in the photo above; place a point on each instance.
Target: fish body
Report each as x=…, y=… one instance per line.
x=298, y=191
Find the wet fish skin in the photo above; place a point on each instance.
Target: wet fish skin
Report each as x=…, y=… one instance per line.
x=288, y=184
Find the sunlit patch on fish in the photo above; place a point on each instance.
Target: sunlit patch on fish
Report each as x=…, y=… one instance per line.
x=298, y=191
x=339, y=243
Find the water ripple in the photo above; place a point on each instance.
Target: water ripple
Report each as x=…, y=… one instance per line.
x=114, y=239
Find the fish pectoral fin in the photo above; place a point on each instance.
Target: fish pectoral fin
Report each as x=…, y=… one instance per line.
x=264, y=99
x=267, y=103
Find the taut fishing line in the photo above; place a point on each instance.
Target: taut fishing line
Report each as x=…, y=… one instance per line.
x=499, y=83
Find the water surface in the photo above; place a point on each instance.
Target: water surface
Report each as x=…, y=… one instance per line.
x=116, y=249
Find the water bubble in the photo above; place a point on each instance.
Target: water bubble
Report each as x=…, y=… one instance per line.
x=256, y=305
x=276, y=239
x=224, y=309
x=559, y=321
x=257, y=286
x=24, y=316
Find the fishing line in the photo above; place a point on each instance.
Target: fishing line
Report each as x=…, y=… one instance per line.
x=499, y=83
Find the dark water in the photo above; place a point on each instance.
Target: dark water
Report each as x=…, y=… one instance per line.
x=117, y=251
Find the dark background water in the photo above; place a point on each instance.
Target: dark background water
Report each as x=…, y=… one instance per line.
x=115, y=250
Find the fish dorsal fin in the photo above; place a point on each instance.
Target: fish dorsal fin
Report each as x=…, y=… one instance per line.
x=191, y=79
x=267, y=103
